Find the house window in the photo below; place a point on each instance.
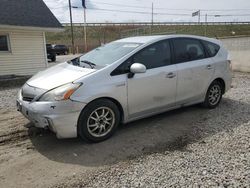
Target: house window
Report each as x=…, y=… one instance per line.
x=4, y=43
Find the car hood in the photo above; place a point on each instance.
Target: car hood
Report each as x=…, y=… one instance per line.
x=58, y=75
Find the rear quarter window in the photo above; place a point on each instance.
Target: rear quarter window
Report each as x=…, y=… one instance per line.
x=212, y=48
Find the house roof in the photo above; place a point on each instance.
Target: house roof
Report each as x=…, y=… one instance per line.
x=27, y=13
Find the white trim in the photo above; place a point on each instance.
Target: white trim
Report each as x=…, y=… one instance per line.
x=29, y=28
x=45, y=50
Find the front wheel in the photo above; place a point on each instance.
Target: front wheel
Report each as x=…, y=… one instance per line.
x=98, y=121
x=214, y=95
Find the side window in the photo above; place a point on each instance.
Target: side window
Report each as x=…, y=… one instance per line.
x=188, y=50
x=4, y=43
x=155, y=55
x=212, y=48
x=123, y=68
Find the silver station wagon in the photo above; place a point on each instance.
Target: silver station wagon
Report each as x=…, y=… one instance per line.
x=123, y=81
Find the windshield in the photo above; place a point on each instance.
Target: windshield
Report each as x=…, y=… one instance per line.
x=108, y=54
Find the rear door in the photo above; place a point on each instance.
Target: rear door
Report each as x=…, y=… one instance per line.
x=195, y=70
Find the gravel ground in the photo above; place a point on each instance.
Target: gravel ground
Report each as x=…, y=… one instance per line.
x=192, y=147
x=222, y=160
x=215, y=153
x=8, y=98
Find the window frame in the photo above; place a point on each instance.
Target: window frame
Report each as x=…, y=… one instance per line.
x=8, y=43
x=115, y=73
x=204, y=49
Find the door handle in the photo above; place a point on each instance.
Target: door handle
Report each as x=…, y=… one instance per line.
x=120, y=84
x=209, y=67
x=170, y=75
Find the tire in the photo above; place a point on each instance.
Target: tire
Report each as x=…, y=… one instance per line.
x=91, y=126
x=53, y=59
x=213, y=95
x=65, y=53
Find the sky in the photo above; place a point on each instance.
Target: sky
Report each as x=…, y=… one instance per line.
x=99, y=11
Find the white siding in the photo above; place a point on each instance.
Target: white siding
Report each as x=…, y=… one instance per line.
x=27, y=56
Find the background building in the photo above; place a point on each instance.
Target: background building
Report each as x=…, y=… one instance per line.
x=23, y=24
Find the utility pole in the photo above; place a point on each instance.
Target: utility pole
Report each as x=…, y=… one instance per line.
x=206, y=25
x=71, y=25
x=152, y=18
x=199, y=17
x=85, y=31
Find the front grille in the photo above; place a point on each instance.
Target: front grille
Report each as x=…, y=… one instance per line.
x=29, y=99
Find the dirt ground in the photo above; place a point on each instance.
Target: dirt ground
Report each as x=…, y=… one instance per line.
x=31, y=157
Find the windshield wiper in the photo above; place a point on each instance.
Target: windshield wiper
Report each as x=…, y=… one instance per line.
x=92, y=65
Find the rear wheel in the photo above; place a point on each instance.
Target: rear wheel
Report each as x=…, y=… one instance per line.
x=98, y=121
x=214, y=95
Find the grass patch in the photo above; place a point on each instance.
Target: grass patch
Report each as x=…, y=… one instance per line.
x=97, y=35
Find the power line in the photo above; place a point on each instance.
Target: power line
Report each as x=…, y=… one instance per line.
x=139, y=12
x=148, y=7
x=155, y=13
x=228, y=15
x=159, y=13
x=143, y=7
x=225, y=10
x=162, y=13
x=115, y=4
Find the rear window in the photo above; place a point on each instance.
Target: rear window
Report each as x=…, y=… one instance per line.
x=212, y=48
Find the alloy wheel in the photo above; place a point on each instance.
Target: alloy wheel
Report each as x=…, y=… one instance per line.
x=101, y=122
x=214, y=94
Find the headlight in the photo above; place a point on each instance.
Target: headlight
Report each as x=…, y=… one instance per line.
x=60, y=93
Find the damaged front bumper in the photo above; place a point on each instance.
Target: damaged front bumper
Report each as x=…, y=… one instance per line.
x=59, y=116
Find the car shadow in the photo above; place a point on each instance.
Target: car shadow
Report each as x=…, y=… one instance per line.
x=165, y=132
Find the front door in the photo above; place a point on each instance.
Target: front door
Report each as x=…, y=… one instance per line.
x=156, y=88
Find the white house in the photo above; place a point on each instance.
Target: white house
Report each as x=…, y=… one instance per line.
x=23, y=24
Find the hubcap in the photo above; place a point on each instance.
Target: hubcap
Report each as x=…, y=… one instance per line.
x=214, y=95
x=101, y=121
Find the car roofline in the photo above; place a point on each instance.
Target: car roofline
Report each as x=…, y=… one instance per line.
x=154, y=38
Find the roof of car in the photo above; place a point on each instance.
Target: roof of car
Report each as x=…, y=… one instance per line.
x=148, y=39
x=31, y=13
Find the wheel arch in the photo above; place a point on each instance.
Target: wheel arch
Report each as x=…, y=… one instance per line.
x=118, y=104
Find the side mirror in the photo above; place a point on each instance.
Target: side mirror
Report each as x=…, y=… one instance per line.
x=137, y=68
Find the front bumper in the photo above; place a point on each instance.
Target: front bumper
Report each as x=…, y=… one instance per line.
x=59, y=116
